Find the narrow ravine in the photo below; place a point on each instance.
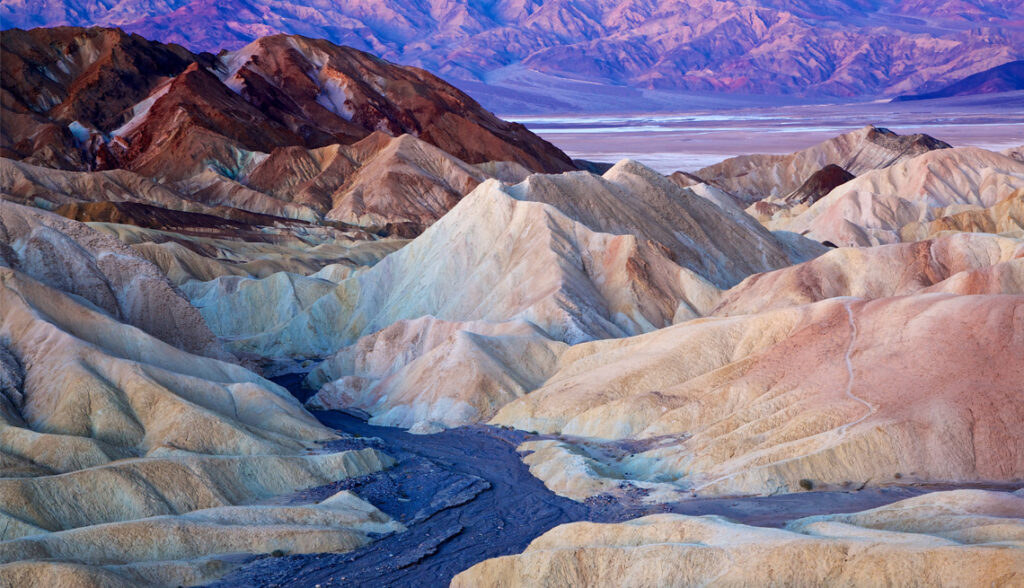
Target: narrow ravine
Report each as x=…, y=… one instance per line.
x=466, y=496
x=848, y=359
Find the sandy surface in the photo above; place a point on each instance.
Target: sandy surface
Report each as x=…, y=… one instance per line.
x=690, y=140
x=466, y=496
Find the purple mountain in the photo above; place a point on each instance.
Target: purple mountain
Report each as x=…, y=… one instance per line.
x=1007, y=77
x=841, y=48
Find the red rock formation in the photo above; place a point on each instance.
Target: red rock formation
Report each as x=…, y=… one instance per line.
x=197, y=121
x=90, y=75
x=170, y=113
x=54, y=77
x=348, y=93
x=819, y=184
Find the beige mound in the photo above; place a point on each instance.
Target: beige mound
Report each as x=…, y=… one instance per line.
x=104, y=427
x=955, y=263
x=219, y=301
x=630, y=198
x=841, y=393
x=960, y=538
x=754, y=177
x=173, y=483
x=186, y=258
x=339, y=523
x=1006, y=217
x=580, y=256
x=874, y=207
x=400, y=184
x=73, y=258
x=481, y=352
x=1015, y=152
x=426, y=374
x=186, y=549
x=93, y=390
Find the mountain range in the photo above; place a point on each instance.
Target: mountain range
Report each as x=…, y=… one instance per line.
x=838, y=48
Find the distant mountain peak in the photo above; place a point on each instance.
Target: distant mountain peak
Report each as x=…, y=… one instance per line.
x=1007, y=77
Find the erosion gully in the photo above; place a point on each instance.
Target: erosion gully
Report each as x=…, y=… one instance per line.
x=466, y=496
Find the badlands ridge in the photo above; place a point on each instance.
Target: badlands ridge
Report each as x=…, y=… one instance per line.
x=175, y=228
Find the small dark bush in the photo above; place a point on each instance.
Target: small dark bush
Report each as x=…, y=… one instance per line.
x=277, y=553
x=806, y=484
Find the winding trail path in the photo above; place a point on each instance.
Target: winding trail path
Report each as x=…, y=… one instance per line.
x=466, y=496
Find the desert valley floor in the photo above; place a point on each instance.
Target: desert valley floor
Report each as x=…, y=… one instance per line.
x=691, y=140
x=292, y=315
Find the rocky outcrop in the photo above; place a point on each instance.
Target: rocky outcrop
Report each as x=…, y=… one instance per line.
x=70, y=257
x=193, y=122
x=819, y=185
x=924, y=540
x=873, y=208
x=287, y=127
x=340, y=91
x=64, y=87
x=249, y=137
x=755, y=177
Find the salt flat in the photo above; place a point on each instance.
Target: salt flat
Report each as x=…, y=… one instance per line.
x=689, y=140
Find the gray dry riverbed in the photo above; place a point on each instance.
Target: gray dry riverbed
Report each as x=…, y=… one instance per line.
x=466, y=496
